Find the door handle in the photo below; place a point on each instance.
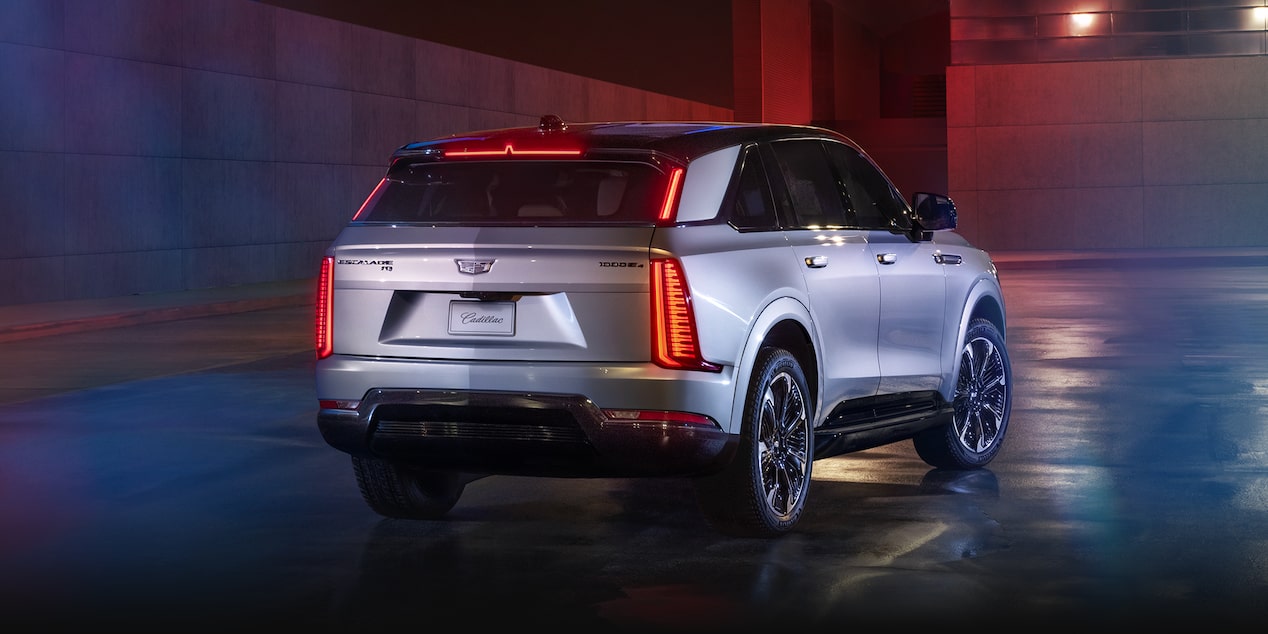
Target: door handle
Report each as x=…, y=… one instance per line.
x=947, y=258
x=887, y=258
x=817, y=261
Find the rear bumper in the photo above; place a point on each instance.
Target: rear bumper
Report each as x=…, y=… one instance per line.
x=520, y=433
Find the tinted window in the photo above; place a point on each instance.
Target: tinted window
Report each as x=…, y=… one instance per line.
x=520, y=192
x=874, y=202
x=812, y=187
x=753, y=207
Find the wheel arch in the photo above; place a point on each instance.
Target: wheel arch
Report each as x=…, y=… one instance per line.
x=985, y=301
x=784, y=323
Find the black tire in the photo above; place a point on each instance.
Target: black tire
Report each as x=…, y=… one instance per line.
x=983, y=400
x=399, y=492
x=762, y=493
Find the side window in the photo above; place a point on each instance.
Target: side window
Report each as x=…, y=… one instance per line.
x=753, y=207
x=811, y=185
x=874, y=202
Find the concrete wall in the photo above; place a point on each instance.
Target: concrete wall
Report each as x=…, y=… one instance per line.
x=1110, y=154
x=159, y=145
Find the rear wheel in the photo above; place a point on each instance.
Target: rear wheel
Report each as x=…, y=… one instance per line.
x=404, y=493
x=763, y=491
x=983, y=399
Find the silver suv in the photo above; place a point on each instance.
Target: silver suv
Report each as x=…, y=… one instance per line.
x=721, y=301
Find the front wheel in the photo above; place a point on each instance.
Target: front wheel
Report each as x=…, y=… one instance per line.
x=982, y=401
x=763, y=491
x=404, y=493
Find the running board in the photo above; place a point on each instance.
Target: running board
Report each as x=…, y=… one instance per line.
x=880, y=420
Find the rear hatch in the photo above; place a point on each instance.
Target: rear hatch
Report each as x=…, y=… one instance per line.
x=500, y=260
x=493, y=293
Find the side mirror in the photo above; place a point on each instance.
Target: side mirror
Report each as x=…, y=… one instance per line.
x=934, y=212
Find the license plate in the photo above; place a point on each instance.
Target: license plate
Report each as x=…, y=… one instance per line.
x=481, y=318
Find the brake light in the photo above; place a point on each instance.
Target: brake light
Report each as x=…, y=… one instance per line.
x=510, y=151
x=669, y=207
x=675, y=343
x=324, y=336
x=369, y=199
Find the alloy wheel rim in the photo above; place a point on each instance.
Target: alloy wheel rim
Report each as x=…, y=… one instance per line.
x=981, y=395
x=783, y=445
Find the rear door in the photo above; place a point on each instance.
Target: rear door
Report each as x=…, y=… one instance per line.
x=912, y=282
x=839, y=271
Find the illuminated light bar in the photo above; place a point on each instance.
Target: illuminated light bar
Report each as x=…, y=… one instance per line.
x=657, y=417
x=511, y=151
x=675, y=344
x=374, y=194
x=671, y=195
x=324, y=335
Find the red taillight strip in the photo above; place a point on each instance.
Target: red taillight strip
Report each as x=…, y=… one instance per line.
x=675, y=343
x=365, y=205
x=325, y=306
x=671, y=196
x=511, y=151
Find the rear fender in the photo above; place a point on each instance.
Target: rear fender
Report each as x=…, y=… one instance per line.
x=777, y=311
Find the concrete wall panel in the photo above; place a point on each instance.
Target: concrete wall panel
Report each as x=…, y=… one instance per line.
x=438, y=119
x=1204, y=88
x=122, y=203
x=231, y=37
x=227, y=116
x=30, y=280
x=121, y=106
x=1109, y=154
x=33, y=200
x=315, y=201
x=1027, y=157
x=313, y=50
x=961, y=96
x=1038, y=219
x=144, y=30
x=33, y=22
x=228, y=203
x=382, y=63
x=228, y=266
x=1205, y=152
x=961, y=158
x=313, y=124
x=124, y=273
x=380, y=125
x=1206, y=215
x=1029, y=94
x=440, y=73
x=33, y=99
x=490, y=82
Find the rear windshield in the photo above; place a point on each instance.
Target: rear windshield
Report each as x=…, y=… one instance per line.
x=520, y=193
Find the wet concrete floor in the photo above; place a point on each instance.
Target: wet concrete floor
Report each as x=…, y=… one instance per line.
x=170, y=476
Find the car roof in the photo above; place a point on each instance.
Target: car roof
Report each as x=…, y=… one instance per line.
x=682, y=140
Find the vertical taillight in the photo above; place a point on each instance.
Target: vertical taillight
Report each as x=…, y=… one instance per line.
x=669, y=207
x=324, y=337
x=674, y=341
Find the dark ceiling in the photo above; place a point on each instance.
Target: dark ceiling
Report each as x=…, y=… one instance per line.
x=676, y=47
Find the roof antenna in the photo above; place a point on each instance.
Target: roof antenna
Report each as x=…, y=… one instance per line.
x=551, y=123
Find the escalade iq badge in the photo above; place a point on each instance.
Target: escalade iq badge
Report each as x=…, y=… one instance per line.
x=474, y=267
